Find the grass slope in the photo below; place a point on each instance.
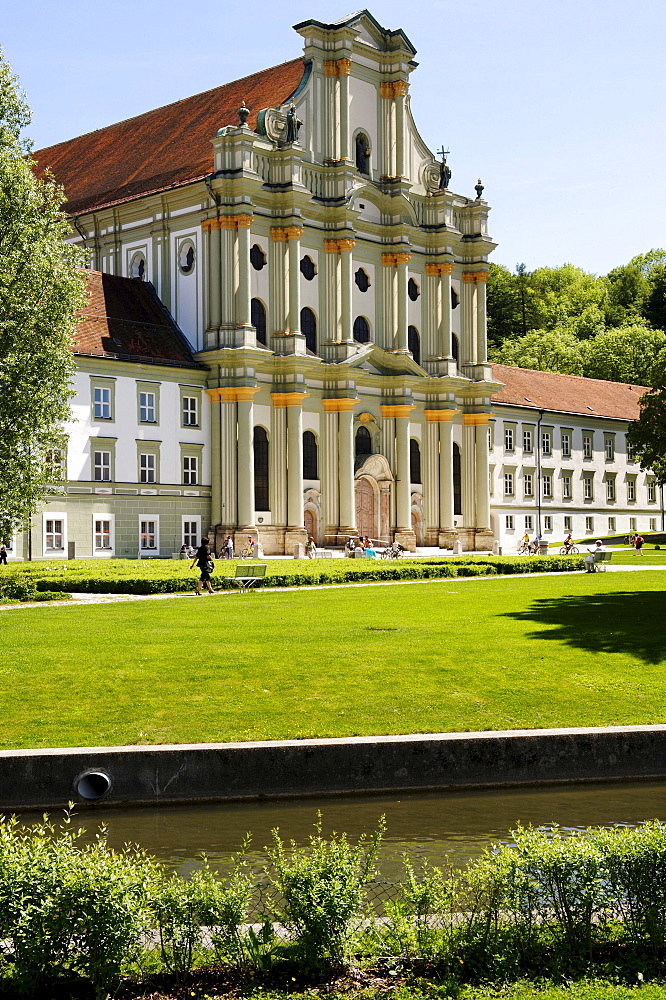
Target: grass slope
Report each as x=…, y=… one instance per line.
x=460, y=655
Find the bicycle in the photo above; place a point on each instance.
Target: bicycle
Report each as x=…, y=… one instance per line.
x=569, y=550
x=247, y=552
x=630, y=539
x=526, y=549
x=393, y=551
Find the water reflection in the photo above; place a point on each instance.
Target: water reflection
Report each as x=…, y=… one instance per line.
x=432, y=826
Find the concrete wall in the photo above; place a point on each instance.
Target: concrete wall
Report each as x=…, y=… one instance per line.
x=49, y=778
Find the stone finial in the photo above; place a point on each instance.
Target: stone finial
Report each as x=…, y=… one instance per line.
x=478, y=187
x=243, y=113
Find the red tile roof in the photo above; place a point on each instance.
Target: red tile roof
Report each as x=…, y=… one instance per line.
x=160, y=149
x=591, y=397
x=124, y=319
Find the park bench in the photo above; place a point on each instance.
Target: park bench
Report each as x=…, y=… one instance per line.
x=324, y=554
x=247, y=576
x=600, y=558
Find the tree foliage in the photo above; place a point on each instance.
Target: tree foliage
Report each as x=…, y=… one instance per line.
x=41, y=291
x=648, y=434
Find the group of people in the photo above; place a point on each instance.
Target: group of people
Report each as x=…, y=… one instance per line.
x=361, y=548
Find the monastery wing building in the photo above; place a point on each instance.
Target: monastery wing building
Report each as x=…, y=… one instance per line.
x=286, y=333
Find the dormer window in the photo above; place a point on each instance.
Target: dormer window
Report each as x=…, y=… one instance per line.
x=362, y=154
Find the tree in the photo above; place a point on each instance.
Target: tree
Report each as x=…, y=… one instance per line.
x=546, y=351
x=625, y=354
x=41, y=292
x=648, y=434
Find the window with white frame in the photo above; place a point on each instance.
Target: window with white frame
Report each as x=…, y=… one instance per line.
x=528, y=484
x=589, y=524
x=653, y=524
x=102, y=534
x=508, y=484
x=587, y=446
x=546, y=442
x=147, y=412
x=566, y=444
x=54, y=534
x=102, y=466
x=529, y=522
x=147, y=468
x=102, y=402
x=610, y=488
x=630, y=451
x=55, y=462
x=547, y=482
x=148, y=534
x=191, y=533
x=508, y=439
x=190, y=411
x=567, y=522
x=566, y=487
x=190, y=470
x=631, y=490
x=611, y=524
x=548, y=522
x=651, y=491
x=609, y=447
x=509, y=522
x=632, y=524
x=491, y=480
x=528, y=444
x=588, y=487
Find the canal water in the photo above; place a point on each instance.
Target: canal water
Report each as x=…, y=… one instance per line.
x=437, y=826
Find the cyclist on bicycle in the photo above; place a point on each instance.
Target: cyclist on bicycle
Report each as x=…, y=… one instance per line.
x=568, y=543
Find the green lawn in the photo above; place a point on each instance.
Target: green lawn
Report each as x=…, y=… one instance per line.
x=585, y=990
x=482, y=654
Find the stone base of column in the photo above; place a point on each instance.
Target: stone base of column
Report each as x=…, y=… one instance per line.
x=237, y=336
x=293, y=537
x=342, y=535
x=288, y=343
x=446, y=538
x=440, y=367
x=340, y=350
x=432, y=536
x=212, y=337
x=466, y=538
x=483, y=540
x=405, y=538
x=478, y=373
x=241, y=536
x=271, y=540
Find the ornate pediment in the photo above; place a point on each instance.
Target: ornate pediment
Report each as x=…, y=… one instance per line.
x=377, y=468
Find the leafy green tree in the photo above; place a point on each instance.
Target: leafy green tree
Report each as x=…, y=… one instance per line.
x=628, y=290
x=648, y=434
x=41, y=292
x=625, y=354
x=655, y=306
x=571, y=297
x=547, y=351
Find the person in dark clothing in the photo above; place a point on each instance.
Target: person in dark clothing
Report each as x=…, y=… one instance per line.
x=203, y=560
x=3, y=555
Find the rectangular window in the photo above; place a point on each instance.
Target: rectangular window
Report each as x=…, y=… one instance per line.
x=148, y=538
x=508, y=438
x=102, y=466
x=587, y=446
x=566, y=445
x=190, y=534
x=190, y=411
x=55, y=461
x=54, y=534
x=102, y=402
x=610, y=489
x=567, y=522
x=102, y=534
x=653, y=524
x=547, y=486
x=632, y=524
x=589, y=524
x=527, y=441
x=631, y=489
x=147, y=468
x=609, y=448
x=630, y=451
x=529, y=522
x=566, y=487
x=147, y=407
x=611, y=524
x=509, y=522
x=528, y=484
x=588, y=490
x=651, y=491
x=190, y=470
x=548, y=522
x=546, y=443
x=508, y=484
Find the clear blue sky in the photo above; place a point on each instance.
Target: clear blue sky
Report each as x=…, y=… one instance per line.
x=557, y=106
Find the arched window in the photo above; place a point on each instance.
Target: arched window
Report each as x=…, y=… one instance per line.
x=457, y=490
x=261, y=501
x=455, y=347
x=414, y=343
x=361, y=330
x=362, y=280
x=310, y=470
x=455, y=299
x=309, y=329
x=257, y=257
x=414, y=461
x=413, y=290
x=362, y=154
x=363, y=442
x=308, y=268
x=138, y=265
x=258, y=319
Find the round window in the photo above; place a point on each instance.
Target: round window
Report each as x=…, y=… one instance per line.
x=186, y=257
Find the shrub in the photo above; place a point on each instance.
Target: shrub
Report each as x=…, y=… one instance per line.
x=18, y=587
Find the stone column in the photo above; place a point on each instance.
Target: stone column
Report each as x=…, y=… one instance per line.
x=481, y=332
x=332, y=287
x=430, y=475
x=277, y=303
x=389, y=297
x=243, y=295
x=346, y=466
x=433, y=311
x=329, y=472
x=212, y=230
x=388, y=140
x=215, y=484
x=388, y=448
x=344, y=69
x=402, y=261
x=278, y=464
x=445, y=329
x=244, y=397
x=295, y=461
x=399, y=92
x=228, y=272
x=294, y=234
x=228, y=456
x=404, y=533
x=467, y=332
x=346, y=321
x=468, y=475
x=482, y=485
x=333, y=103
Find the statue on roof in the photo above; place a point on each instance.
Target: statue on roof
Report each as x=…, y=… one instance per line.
x=293, y=124
x=444, y=169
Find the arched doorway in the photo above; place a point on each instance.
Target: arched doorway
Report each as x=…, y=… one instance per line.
x=310, y=520
x=417, y=527
x=365, y=508
x=373, y=498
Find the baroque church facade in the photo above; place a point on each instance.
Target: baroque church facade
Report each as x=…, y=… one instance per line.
x=286, y=333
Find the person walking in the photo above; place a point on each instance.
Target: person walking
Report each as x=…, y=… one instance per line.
x=206, y=565
x=3, y=555
x=229, y=547
x=639, y=542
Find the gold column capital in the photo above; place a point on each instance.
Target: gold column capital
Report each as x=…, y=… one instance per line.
x=209, y=224
x=440, y=416
x=396, y=409
x=433, y=270
x=393, y=88
x=214, y=395
x=439, y=268
x=338, y=405
x=402, y=258
x=475, y=419
x=481, y=276
x=400, y=88
x=288, y=398
x=346, y=245
x=293, y=232
x=227, y=222
x=231, y=393
x=344, y=66
x=468, y=278
x=278, y=234
x=243, y=221
x=446, y=268
x=389, y=259
x=331, y=246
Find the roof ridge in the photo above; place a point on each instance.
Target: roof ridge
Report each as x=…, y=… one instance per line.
x=583, y=378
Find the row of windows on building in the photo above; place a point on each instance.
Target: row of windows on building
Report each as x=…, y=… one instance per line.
x=55, y=528
x=147, y=406
x=547, y=443
x=592, y=524
x=566, y=485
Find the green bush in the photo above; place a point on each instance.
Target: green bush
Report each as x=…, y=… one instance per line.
x=18, y=587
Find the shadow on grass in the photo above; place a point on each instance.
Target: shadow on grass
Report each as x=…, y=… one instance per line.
x=633, y=622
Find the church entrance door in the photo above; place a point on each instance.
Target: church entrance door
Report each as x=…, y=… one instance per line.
x=365, y=508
